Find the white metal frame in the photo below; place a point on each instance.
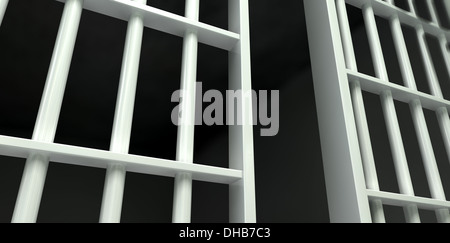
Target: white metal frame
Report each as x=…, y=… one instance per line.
x=352, y=183
x=41, y=149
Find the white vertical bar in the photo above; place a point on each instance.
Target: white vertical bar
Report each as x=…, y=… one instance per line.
x=444, y=124
x=344, y=175
x=444, y=50
x=346, y=36
x=432, y=10
x=387, y=101
x=360, y=114
x=3, y=5
x=120, y=139
x=433, y=83
x=412, y=7
x=35, y=171
x=374, y=42
x=442, y=113
x=182, y=199
x=241, y=157
x=402, y=53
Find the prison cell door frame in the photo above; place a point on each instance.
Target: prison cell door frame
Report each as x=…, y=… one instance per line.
x=351, y=180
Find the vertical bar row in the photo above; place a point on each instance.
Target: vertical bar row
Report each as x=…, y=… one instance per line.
x=442, y=113
x=120, y=139
x=387, y=101
x=423, y=136
x=344, y=174
x=242, y=193
x=3, y=5
x=431, y=168
x=360, y=115
x=35, y=171
x=182, y=199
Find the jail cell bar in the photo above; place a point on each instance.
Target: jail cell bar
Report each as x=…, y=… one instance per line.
x=120, y=139
x=35, y=171
x=41, y=149
x=185, y=140
x=347, y=197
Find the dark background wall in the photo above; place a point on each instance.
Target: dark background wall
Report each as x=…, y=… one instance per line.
x=289, y=178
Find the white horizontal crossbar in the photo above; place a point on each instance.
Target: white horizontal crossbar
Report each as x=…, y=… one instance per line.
x=386, y=10
x=22, y=148
x=164, y=21
x=400, y=200
x=400, y=93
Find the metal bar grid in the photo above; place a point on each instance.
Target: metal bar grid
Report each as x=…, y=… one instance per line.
x=388, y=92
x=41, y=149
x=164, y=21
x=392, y=124
x=385, y=10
